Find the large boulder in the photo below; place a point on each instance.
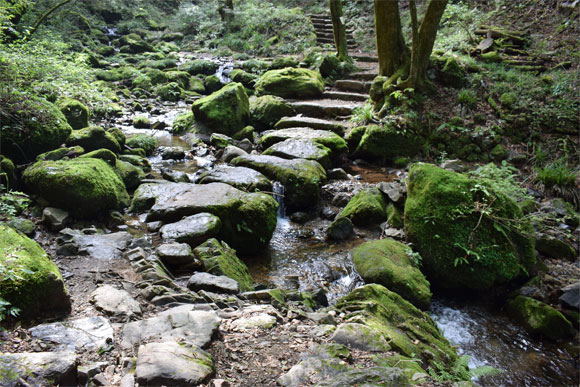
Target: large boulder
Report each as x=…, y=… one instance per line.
x=219, y=259
x=225, y=111
x=93, y=138
x=291, y=83
x=469, y=235
x=244, y=179
x=406, y=329
x=248, y=219
x=386, y=143
x=75, y=112
x=539, y=318
x=30, y=280
x=24, y=136
x=366, y=208
x=386, y=262
x=301, y=178
x=301, y=149
x=324, y=137
x=86, y=187
x=266, y=110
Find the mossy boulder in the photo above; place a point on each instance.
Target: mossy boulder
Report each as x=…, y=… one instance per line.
x=539, y=318
x=367, y=207
x=405, y=328
x=169, y=92
x=60, y=153
x=291, y=83
x=469, y=235
x=219, y=259
x=225, y=111
x=200, y=66
x=385, y=143
x=327, y=138
x=118, y=135
x=452, y=74
x=183, y=123
x=131, y=174
x=137, y=161
x=147, y=143
x=34, y=284
x=77, y=114
x=7, y=171
x=246, y=79
x=93, y=138
x=301, y=178
x=394, y=216
x=212, y=83
x=180, y=77
x=266, y=110
x=84, y=187
x=41, y=129
x=196, y=85
x=134, y=44
x=103, y=154
x=386, y=262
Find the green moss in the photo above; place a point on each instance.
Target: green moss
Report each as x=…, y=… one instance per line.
x=460, y=246
x=183, y=123
x=147, y=143
x=491, y=57
x=180, y=77
x=138, y=161
x=246, y=79
x=93, y=138
x=129, y=173
x=539, y=318
x=85, y=187
x=394, y=216
x=200, y=66
x=143, y=82
x=452, y=74
x=28, y=278
x=245, y=132
x=225, y=111
x=410, y=366
x=354, y=136
x=60, y=153
x=386, y=143
x=219, y=259
x=77, y=114
x=170, y=92
x=265, y=111
x=196, y=85
x=508, y=99
x=41, y=128
x=386, y=262
x=103, y=154
x=7, y=171
x=157, y=77
x=367, y=207
x=212, y=83
x=291, y=83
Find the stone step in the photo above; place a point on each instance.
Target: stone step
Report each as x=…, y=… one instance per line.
x=310, y=122
x=363, y=76
x=330, y=35
x=366, y=58
x=353, y=85
x=331, y=41
x=345, y=96
x=325, y=108
x=328, y=29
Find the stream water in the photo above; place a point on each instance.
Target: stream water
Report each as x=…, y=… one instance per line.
x=299, y=258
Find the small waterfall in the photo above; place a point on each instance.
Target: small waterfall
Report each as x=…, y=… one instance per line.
x=223, y=72
x=278, y=189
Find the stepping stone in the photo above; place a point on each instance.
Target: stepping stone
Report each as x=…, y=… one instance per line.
x=362, y=76
x=301, y=149
x=38, y=369
x=195, y=327
x=172, y=364
x=310, y=122
x=86, y=334
x=115, y=302
x=345, y=96
x=365, y=58
x=100, y=247
x=213, y=283
x=244, y=179
x=193, y=230
x=353, y=85
x=329, y=139
x=178, y=254
x=262, y=320
x=324, y=108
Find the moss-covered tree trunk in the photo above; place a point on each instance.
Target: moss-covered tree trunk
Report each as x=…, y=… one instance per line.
x=391, y=48
x=338, y=29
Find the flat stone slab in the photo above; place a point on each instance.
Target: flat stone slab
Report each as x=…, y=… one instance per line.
x=85, y=334
x=196, y=327
x=301, y=149
x=193, y=230
x=99, y=246
x=310, y=122
x=325, y=108
x=245, y=179
x=325, y=137
x=115, y=302
x=213, y=283
x=261, y=320
x=172, y=364
x=178, y=254
x=38, y=369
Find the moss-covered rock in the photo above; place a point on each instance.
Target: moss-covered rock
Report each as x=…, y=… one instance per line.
x=291, y=83
x=85, y=187
x=131, y=174
x=183, y=123
x=246, y=79
x=301, y=149
x=118, y=135
x=212, y=83
x=93, y=138
x=219, y=259
x=77, y=114
x=134, y=44
x=138, y=161
x=324, y=137
x=405, y=328
x=468, y=235
x=246, y=132
x=147, y=143
x=225, y=111
x=452, y=74
x=394, y=216
x=103, y=154
x=301, y=178
x=367, y=207
x=386, y=262
x=539, y=318
x=60, y=153
x=30, y=281
x=180, y=77
x=41, y=129
x=7, y=171
x=386, y=143
x=169, y=92
x=266, y=110
x=196, y=85
x=200, y=66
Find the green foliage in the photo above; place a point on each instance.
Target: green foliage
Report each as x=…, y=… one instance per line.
x=467, y=97
x=12, y=204
x=145, y=142
x=363, y=115
x=460, y=371
x=502, y=179
x=457, y=23
x=557, y=173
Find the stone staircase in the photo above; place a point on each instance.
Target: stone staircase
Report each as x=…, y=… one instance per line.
x=323, y=26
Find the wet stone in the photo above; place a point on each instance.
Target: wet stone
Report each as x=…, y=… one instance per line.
x=395, y=191
x=193, y=230
x=340, y=229
x=301, y=149
x=172, y=153
x=115, y=302
x=231, y=152
x=337, y=174
x=86, y=334
x=571, y=296
x=55, y=218
x=178, y=254
x=213, y=283
x=242, y=178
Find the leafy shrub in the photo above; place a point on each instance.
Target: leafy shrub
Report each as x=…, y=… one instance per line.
x=501, y=179
x=467, y=97
x=557, y=173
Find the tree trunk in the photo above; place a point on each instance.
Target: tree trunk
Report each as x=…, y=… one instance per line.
x=391, y=48
x=226, y=10
x=42, y=18
x=338, y=29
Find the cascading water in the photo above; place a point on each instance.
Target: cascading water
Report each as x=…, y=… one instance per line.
x=278, y=190
x=223, y=72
